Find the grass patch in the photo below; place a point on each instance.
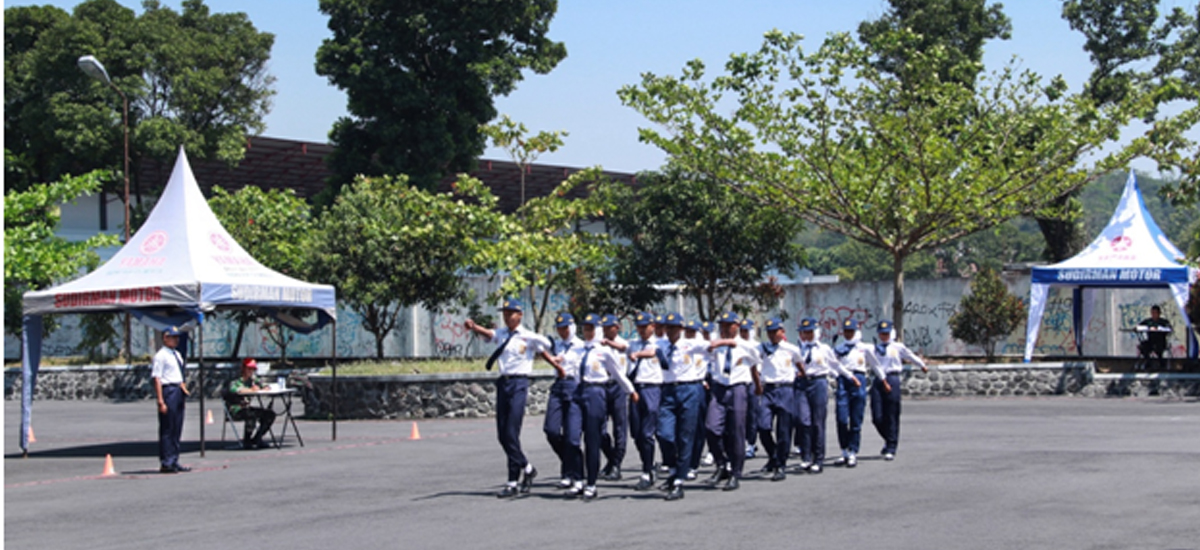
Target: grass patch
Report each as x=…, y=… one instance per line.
x=392, y=368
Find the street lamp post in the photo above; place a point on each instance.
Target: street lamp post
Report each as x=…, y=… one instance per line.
x=92, y=66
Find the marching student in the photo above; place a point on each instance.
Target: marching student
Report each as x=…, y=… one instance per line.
x=516, y=347
x=885, y=392
x=597, y=367
x=812, y=394
x=564, y=419
x=779, y=361
x=685, y=363
x=746, y=329
x=734, y=361
x=646, y=375
x=613, y=446
x=856, y=357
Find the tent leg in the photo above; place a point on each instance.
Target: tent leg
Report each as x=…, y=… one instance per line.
x=200, y=359
x=333, y=385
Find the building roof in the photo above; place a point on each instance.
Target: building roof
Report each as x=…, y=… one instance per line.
x=273, y=163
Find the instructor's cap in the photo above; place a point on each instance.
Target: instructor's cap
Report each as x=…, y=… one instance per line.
x=171, y=331
x=249, y=363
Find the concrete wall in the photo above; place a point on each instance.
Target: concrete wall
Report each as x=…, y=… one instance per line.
x=928, y=306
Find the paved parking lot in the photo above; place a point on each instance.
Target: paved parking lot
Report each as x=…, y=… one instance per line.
x=976, y=473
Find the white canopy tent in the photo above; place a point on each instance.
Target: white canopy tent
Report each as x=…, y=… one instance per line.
x=1131, y=252
x=179, y=266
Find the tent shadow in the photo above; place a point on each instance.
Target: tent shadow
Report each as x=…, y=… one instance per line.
x=118, y=448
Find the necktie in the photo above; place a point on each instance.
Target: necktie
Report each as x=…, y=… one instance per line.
x=583, y=362
x=843, y=349
x=638, y=364
x=728, y=360
x=769, y=349
x=881, y=349
x=182, y=365
x=664, y=360
x=808, y=353
x=496, y=354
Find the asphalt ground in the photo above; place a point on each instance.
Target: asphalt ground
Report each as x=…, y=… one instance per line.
x=970, y=473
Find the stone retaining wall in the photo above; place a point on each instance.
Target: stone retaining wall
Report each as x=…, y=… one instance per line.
x=470, y=395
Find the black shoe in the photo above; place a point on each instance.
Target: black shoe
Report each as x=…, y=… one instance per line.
x=643, y=484
x=167, y=470
x=666, y=485
x=770, y=467
x=507, y=492
x=780, y=475
x=721, y=474
x=815, y=468
x=181, y=469
x=676, y=492
x=527, y=479
x=589, y=495
x=260, y=444
x=575, y=491
x=732, y=485
x=614, y=474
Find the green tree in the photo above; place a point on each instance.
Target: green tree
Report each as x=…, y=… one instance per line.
x=274, y=227
x=692, y=230
x=420, y=77
x=387, y=245
x=34, y=257
x=988, y=314
x=900, y=166
x=540, y=247
x=522, y=148
x=193, y=78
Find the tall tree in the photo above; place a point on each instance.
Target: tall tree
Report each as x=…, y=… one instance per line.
x=694, y=231
x=903, y=166
x=420, y=77
x=193, y=78
x=387, y=245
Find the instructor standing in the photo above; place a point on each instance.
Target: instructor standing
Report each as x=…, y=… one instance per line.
x=167, y=370
x=515, y=350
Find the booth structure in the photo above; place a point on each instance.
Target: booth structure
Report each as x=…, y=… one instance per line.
x=1131, y=252
x=180, y=266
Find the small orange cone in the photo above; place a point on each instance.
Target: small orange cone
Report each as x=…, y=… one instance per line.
x=31, y=438
x=208, y=419
x=108, y=466
x=416, y=434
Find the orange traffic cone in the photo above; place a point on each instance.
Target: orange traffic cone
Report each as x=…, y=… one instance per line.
x=108, y=466
x=208, y=419
x=416, y=434
x=31, y=438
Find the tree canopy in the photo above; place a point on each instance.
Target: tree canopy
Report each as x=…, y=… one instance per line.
x=420, y=77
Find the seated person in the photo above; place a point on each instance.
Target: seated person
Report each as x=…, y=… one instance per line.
x=239, y=405
x=1156, y=341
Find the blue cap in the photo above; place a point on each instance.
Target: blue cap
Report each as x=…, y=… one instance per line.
x=692, y=325
x=747, y=324
x=850, y=324
x=643, y=318
x=171, y=331
x=512, y=304
x=564, y=319
x=885, y=326
x=808, y=323
x=591, y=319
x=709, y=327
x=672, y=320
x=774, y=323
x=658, y=318
x=729, y=317
x=609, y=320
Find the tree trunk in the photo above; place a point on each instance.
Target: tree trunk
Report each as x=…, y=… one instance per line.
x=898, y=293
x=379, y=345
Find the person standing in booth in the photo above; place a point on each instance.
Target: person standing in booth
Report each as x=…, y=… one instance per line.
x=170, y=388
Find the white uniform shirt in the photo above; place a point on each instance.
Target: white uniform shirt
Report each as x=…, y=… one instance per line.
x=819, y=360
x=687, y=359
x=517, y=357
x=732, y=364
x=569, y=353
x=891, y=357
x=779, y=367
x=622, y=360
x=648, y=370
x=855, y=356
x=166, y=366
x=602, y=366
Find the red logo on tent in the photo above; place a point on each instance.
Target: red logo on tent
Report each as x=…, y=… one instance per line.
x=154, y=242
x=1121, y=243
x=219, y=241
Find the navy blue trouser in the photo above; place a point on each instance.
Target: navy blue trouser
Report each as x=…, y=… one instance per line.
x=614, y=445
x=851, y=403
x=677, y=419
x=727, y=425
x=564, y=426
x=593, y=400
x=511, y=394
x=701, y=416
x=170, y=425
x=643, y=422
x=776, y=407
x=885, y=412
x=812, y=405
x=752, y=409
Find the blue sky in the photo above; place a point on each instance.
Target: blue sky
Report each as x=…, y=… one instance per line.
x=609, y=44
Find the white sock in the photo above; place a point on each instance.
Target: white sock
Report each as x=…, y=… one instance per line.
x=528, y=467
x=646, y=477
x=512, y=484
